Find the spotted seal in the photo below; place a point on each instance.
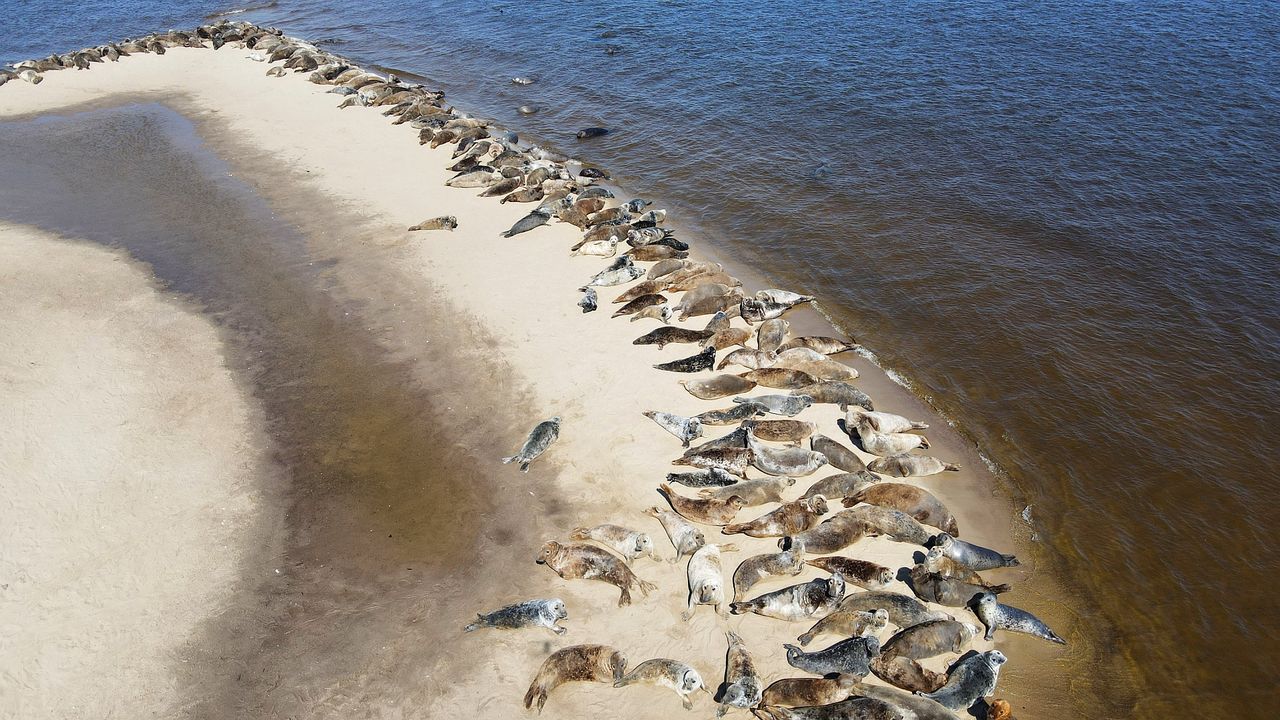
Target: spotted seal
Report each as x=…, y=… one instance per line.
x=995, y=616
x=851, y=656
x=813, y=599
x=535, y=219
x=661, y=313
x=530, y=613
x=749, y=358
x=665, y=335
x=897, y=525
x=792, y=461
x=692, y=364
x=791, y=431
x=937, y=561
x=887, y=444
x=731, y=460
x=904, y=611
x=848, y=622
x=910, y=466
x=681, y=678
x=972, y=556
x=834, y=534
x=853, y=708
x=780, y=378
x=731, y=415
x=628, y=543
x=771, y=334
x=540, y=438
x=815, y=363
x=788, y=519
x=684, y=428
x=842, y=485
x=863, y=573
x=715, y=477
x=708, y=511
x=907, y=704
x=790, y=561
x=587, y=562
x=972, y=678
x=577, y=663
x=589, y=302
x=835, y=392
x=947, y=591
x=742, y=682
x=883, y=421
x=639, y=304
x=914, y=501
x=685, y=538
x=756, y=491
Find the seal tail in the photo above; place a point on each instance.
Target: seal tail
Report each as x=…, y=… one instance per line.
x=924, y=442
x=537, y=694
x=919, y=426
x=580, y=534
x=951, y=466
x=646, y=587
x=1053, y=637
x=805, y=638
x=998, y=589
x=1011, y=561
x=509, y=460
x=524, y=466
x=734, y=529
x=742, y=608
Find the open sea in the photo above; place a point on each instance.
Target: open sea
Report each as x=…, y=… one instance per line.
x=1057, y=222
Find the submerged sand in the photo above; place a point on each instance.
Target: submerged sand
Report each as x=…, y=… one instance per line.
x=506, y=308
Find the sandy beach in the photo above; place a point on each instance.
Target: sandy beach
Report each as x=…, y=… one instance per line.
x=151, y=486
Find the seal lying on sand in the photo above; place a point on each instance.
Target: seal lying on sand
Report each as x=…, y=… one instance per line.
x=628, y=543
x=813, y=599
x=905, y=673
x=756, y=491
x=706, y=579
x=914, y=501
x=837, y=455
x=540, y=438
x=444, y=222
x=742, y=682
x=530, y=613
x=787, y=405
x=850, y=623
x=790, y=561
x=703, y=510
x=930, y=639
x=910, y=466
x=663, y=672
x=791, y=518
x=808, y=692
x=847, y=657
x=692, y=364
x=587, y=562
x=717, y=387
x=972, y=556
x=687, y=429
x=685, y=538
x=904, y=611
x=863, y=573
x=947, y=591
x=1006, y=617
x=972, y=678
x=715, y=477
x=887, y=444
x=577, y=663
x=842, y=485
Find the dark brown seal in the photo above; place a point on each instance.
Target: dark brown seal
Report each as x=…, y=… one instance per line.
x=577, y=663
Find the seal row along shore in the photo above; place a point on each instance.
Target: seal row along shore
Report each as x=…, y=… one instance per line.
x=829, y=499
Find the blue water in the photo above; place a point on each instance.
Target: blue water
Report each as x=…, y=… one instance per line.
x=1058, y=221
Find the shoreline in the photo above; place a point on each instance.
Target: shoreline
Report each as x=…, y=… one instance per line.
x=610, y=335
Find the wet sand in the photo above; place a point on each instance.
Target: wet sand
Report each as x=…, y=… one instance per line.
x=394, y=369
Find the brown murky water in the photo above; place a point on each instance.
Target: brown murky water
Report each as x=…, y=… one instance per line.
x=359, y=383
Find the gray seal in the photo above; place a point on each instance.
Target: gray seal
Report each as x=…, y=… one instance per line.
x=666, y=335
x=771, y=334
x=788, y=519
x=863, y=573
x=904, y=611
x=813, y=599
x=897, y=525
x=728, y=416
x=786, y=405
x=842, y=485
x=973, y=556
x=530, y=613
x=717, y=387
x=742, y=683
x=854, y=708
x=1006, y=617
x=787, y=431
x=730, y=460
x=715, y=477
x=790, y=561
x=706, y=579
x=664, y=672
x=910, y=466
x=907, y=705
x=587, y=562
x=835, y=533
x=824, y=345
x=887, y=444
x=851, y=623
x=947, y=591
x=836, y=393
x=444, y=222
x=692, y=364
x=628, y=543
x=930, y=639
x=972, y=678
x=577, y=663
x=589, y=302
x=535, y=219
x=808, y=692
x=540, y=438
x=905, y=673
x=917, y=502
x=686, y=429
x=757, y=491
x=685, y=538
x=703, y=510
x=838, y=455
x=847, y=657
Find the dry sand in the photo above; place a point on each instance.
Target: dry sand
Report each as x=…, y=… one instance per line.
x=541, y=351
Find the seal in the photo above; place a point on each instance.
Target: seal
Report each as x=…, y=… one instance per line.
x=792, y=431
x=577, y=663
x=791, y=518
x=664, y=672
x=592, y=132
x=933, y=587
x=807, y=692
x=973, y=556
x=847, y=657
x=910, y=466
x=685, y=538
x=771, y=333
x=747, y=358
x=661, y=313
x=530, y=613
x=884, y=422
x=731, y=415
x=859, y=708
x=842, y=485
x=704, y=360
x=897, y=525
x=540, y=438
x=863, y=573
x=995, y=616
x=703, y=510
x=790, y=561
x=528, y=194
x=601, y=248
x=521, y=80
x=586, y=562
x=535, y=219
x=907, y=705
x=813, y=599
x=663, y=336
x=907, y=674
x=936, y=561
x=848, y=622
x=930, y=639
x=528, y=109
x=628, y=543
x=835, y=393
x=686, y=429
x=622, y=270
x=780, y=378
x=589, y=302
x=838, y=455
x=718, y=387
x=728, y=338
x=904, y=611
x=887, y=444
x=972, y=678
x=815, y=364
x=664, y=267
x=917, y=502
x=715, y=477
x=706, y=580
x=731, y=460
x=444, y=222
x=753, y=492
x=834, y=534
x=792, y=461
x=742, y=682
x=639, y=304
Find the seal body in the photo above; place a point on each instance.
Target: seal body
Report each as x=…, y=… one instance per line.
x=743, y=686
x=715, y=477
x=577, y=663
x=887, y=444
x=591, y=563
x=813, y=599
x=972, y=556
x=834, y=534
x=754, y=492
x=853, y=623
x=747, y=358
x=687, y=429
x=789, y=561
x=792, y=461
x=884, y=422
x=664, y=336
x=897, y=525
x=842, y=485
x=692, y=364
x=792, y=431
x=933, y=587
x=731, y=460
x=904, y=611
x=907, y=704
x=837, y=455
x=863, y=573
x=530, y=613
x=791, y=518
x=910, y=466
x=706, y=579
x=854, y=708
x=630, y=544
x=771, y=334
x=905, y=673
x=664, y=672
x=930, y=639
x=808, y=692
x=1006, y=617
x=787, y=405
x=685, y=538
x=780, y=378
x=972, y=678
x=540, y=438
x=917, y=502
x=708, y=511
x=589, y=301
x=847, y=657
x=835, y=392
x=729, y=416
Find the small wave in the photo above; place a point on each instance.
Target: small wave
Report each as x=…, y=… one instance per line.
x=238, y=11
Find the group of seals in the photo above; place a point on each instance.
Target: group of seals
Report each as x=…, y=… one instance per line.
x=490, y=161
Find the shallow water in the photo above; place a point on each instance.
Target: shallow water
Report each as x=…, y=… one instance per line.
x=1057, y=222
